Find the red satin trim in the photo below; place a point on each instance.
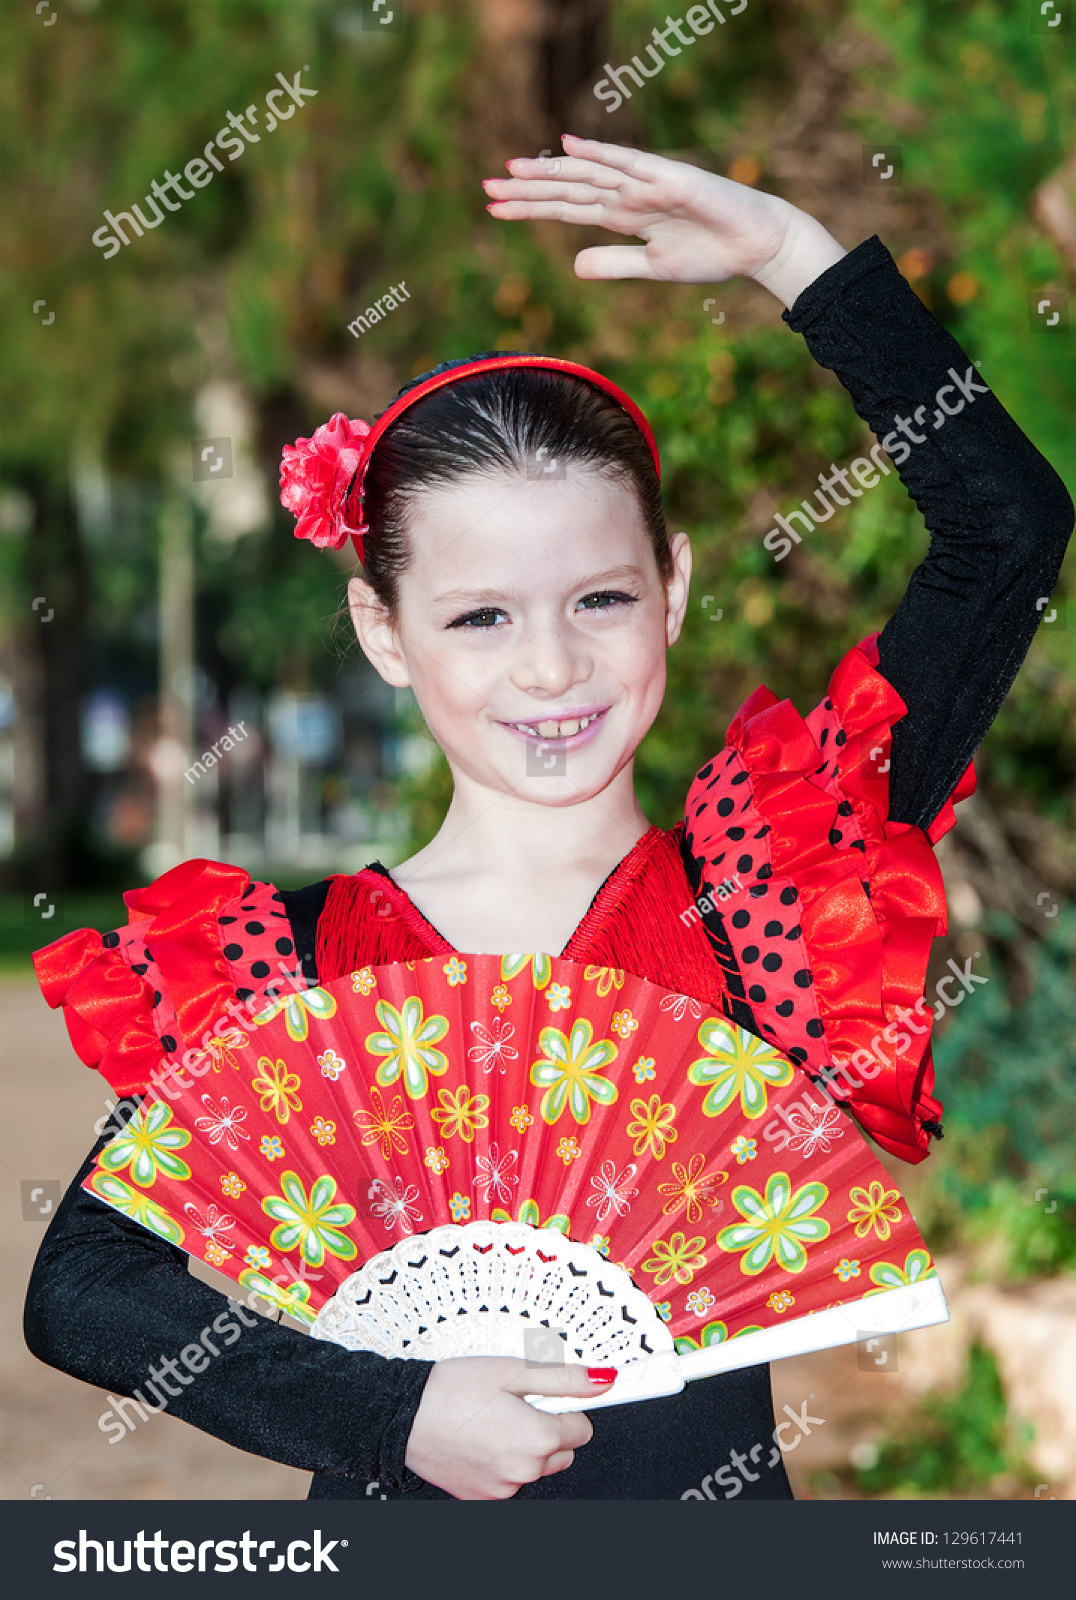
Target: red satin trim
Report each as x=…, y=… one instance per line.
x=162, y=983
x=867, y=953
x=184, y=905
x=107, y=1007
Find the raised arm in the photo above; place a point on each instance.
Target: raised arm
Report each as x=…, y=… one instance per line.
x=998, y=514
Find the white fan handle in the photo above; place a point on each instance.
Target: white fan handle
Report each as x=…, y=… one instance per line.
x=918, y=1305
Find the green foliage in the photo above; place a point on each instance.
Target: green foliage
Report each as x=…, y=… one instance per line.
x=984, y=108
x=22, y=931
x=1016, y=1068
x=1002, y=1181
x=955, y=1444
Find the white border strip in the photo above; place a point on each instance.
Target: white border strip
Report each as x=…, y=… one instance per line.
x=916, y=1305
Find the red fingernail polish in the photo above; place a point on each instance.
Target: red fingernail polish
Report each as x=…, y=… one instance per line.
x=601, y=1374
x=508, y=165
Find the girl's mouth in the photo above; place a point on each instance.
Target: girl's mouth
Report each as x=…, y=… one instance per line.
x=565, y=733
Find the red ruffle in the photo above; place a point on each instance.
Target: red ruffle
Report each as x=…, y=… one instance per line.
x=839, y=904
x=107, y=1007
x=144, y=994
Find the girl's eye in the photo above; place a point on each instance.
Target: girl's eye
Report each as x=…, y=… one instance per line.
x=486, y=618
x=605, y=599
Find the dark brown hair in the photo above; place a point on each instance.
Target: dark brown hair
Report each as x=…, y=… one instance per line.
x=498, y=421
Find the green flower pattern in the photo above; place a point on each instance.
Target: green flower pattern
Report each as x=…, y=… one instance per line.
x=570, y=1071
x=736, y=1062
x=139, y=1207
x=713, y=1333
x=298, y=1008
x=777, y=1225
x=529, y=1213
x=887, y=1275
x=310, y=1225
x=293, y=1298
x=407, y=1045
x=540, y=965
x=148, y=1146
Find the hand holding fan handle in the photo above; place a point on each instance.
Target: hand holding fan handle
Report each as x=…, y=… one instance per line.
x=475, y=1436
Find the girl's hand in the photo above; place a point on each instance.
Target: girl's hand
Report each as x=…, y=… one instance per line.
x=476, y=1437
x=698, y=227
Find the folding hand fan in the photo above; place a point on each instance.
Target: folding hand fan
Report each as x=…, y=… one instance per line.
x=430, y=1158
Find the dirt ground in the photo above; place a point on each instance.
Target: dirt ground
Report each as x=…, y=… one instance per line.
x=51, y=1444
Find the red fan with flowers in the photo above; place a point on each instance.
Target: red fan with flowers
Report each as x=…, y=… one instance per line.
x=434, y=1157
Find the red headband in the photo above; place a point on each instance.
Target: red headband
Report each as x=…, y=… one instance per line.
x=321, y=477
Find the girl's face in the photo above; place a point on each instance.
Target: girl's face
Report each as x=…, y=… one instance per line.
x=532, y=626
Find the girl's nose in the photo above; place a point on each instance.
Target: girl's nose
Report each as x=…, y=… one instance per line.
x=551, y=661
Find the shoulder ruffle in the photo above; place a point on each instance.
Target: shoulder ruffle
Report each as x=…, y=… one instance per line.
x=824, y=909
x=201, y=936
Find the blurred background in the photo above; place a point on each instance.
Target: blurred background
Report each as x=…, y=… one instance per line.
x=153, y=596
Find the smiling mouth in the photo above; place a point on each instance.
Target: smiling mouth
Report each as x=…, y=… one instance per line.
x=564, y=728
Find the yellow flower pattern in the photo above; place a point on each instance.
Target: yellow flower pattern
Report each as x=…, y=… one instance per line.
x=874, y=1208
x=460, y=1114
x=604, y=979
x=540, y=965
x=652, y=1128
x=691, y=1187
x=407, y=1045
x=678, y=1257
x=385, y=1127
x=278, y=1088
x=578, y=1080
x=570, y=1071
x=736, y=1063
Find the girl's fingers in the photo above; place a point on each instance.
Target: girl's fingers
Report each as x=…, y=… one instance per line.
x=558, y=1462
x=586, y=216
x=615, y=261
x=563, y=168
x=639, y=163
x=579, y=193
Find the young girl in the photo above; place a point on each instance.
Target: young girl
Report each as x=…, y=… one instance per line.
x=519, y=576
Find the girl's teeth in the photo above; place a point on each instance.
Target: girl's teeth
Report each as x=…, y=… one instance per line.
x=557, y=730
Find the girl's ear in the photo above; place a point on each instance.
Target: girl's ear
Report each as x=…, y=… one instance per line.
x=676, y=590
x=376, y=633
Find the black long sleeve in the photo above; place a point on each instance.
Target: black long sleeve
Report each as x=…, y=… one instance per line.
x=107, y=1301
x=998, y=514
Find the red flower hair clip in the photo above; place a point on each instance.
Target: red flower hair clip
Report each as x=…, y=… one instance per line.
x=316, y=479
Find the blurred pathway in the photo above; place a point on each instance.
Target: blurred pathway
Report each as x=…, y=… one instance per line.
x=50, y=1443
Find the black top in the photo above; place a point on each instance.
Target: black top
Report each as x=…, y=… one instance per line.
x=107, y=1301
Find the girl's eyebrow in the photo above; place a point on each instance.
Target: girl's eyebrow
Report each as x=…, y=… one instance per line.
x=486, y=597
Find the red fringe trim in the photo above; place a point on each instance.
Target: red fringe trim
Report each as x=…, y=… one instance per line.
x=633, y=923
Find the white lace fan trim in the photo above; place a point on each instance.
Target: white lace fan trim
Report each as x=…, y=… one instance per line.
x=505, y=1289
